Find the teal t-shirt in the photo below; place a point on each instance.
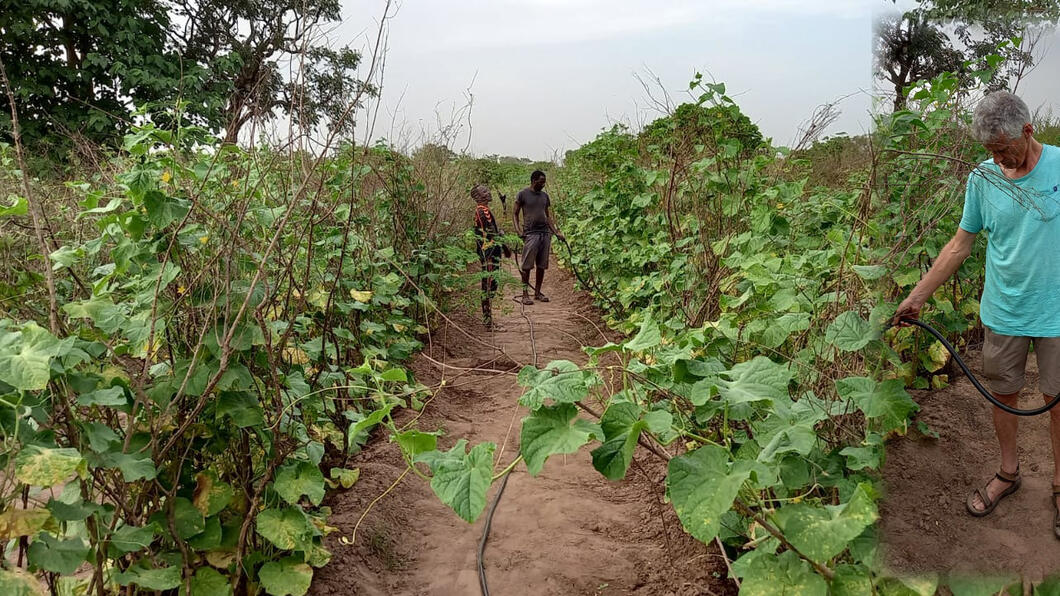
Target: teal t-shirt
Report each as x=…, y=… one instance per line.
x=1022, y=220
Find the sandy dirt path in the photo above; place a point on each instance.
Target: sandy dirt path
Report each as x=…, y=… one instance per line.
x=567, y=531
x=925, y=525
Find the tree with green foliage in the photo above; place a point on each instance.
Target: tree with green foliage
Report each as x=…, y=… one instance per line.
x=693, y=125
x=961, y=37
x=83, y=67
x=910, y=48
x=244, y=45
x=76, y=67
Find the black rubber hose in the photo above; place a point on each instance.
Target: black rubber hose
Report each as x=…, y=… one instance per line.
x=483, y=584
x=486, y=535
x=983, y=390
x=610, y=301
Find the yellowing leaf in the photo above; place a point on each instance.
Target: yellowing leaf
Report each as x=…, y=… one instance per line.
x=22, y=522
x=41, y=466
x=361, y=295
x=166, y=176
x=294, y=355
x=938, y=356
x=19, y=583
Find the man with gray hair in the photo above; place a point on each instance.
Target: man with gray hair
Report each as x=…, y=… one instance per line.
x=1014, y=198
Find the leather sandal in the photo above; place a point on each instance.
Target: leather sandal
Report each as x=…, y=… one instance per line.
x=1056, y=512
x=1013, y=479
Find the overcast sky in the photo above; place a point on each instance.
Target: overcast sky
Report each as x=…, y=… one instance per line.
x=548, y=75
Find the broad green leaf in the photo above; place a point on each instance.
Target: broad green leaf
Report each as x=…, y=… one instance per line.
x=163, y=210
x=461, y=479
x=22, y=522
x=133, y=466
x=784, y=575
x=759, y=379
x=659, y=421
x=209, y=581
x=297, y=479
x=101, y=438
x=368, y=422
x=849, y=332
x=242, y=407
x=647, y=337
x=887, y=401
x=286, y=577
x=346, y=478
x=71, y=511
x=982, y=585
x=58, y=556
x=909, y=586
x=779, y=329
x=870, y=272
x=26, y=356
x=111, y=396
x=622, y=426
x=395, y=375
x=16, y=582
x=286, y=529
x=104, y=314
x=821, y=533
x=166, y=578
x=798, y=438
x=209, y=538
x=318, y=556
x=66, y=256
x=869, y=455
x=187, y=519
x=211, y=495
x=851, y=580
x=414, y=442
x=130, y=539
x=20, y=206
x=561, y=381
x=702, y=487
x=548, y=431
x=907, y=277
x=45, y=467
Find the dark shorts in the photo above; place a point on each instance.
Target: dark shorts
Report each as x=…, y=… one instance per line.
x=1005, y=362
x=535, y=250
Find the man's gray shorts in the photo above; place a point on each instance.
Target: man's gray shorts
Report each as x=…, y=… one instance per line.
x=1005, y=359
x=535, y=250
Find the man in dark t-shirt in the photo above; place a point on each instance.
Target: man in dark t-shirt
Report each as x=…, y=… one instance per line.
x=536, y=230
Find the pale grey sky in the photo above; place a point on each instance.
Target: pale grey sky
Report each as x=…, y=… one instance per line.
x=548, y=75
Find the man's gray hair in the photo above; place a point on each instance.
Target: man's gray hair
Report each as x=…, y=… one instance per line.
x=1000, y=114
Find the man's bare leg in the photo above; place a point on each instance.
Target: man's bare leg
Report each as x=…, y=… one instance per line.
x=1006, y=426
x=525, y=273
x=540, y=277
x=1054, y=433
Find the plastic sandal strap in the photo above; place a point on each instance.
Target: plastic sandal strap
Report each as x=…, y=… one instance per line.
x=987, y=503
x=1002, y=475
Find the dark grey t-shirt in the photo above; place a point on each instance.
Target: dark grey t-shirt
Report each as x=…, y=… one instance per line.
x=533, y=205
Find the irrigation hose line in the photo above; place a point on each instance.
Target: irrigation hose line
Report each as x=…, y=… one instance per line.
x=483, y=584
x=983, y=390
